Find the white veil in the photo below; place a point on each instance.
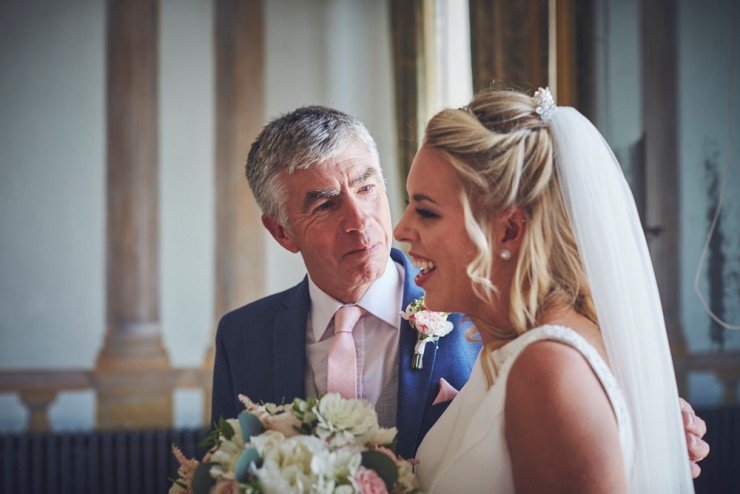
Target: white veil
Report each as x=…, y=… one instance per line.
x=614, y=251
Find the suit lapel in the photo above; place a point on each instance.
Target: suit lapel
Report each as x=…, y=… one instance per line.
x=289, y=345
x=413, y=384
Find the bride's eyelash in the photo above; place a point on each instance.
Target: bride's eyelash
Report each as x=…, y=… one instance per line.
x=425, y=213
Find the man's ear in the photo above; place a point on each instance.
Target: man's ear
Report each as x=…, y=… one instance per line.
x=280, y=233
x=511, y=226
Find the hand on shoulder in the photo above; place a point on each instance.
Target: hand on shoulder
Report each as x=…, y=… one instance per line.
x=560, y=427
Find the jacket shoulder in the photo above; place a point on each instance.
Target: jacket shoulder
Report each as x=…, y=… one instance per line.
x=260, y=310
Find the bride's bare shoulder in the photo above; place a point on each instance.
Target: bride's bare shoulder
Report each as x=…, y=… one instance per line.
x=580, y=324
x=559, y=422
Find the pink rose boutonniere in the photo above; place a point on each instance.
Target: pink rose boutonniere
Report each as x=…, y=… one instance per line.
x=429, y=326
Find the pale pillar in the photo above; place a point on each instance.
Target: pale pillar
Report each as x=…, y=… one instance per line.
x=131, y=372
x=240, y=115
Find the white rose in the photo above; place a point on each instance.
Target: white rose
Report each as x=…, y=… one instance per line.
x=268, y=444
x=340, y=419
x=406, y=478
x=381, y=436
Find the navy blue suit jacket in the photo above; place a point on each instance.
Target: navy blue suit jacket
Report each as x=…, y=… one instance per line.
x=261, y=353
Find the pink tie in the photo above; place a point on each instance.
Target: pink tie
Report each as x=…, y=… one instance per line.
x=342, y=363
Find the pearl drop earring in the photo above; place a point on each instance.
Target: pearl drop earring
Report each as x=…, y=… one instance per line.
x=504, y=254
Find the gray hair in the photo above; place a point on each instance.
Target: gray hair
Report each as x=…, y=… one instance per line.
x=299, y=140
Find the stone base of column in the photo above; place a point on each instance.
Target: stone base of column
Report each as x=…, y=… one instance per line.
x=134, y=383
x=208, y=388
x=133, y=400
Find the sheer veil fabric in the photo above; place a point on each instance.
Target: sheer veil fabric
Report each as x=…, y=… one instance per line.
x=612, y=245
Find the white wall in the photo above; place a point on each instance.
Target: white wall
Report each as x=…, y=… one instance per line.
x=52, y=181
x=52, y=169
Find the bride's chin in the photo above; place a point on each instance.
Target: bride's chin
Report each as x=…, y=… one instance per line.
x=434, y=303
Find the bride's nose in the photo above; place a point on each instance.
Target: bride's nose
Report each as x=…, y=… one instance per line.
x=402, y=232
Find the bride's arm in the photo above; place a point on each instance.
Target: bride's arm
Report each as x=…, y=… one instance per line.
x=560, y=428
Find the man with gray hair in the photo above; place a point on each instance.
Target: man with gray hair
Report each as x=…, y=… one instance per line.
x=316, y=176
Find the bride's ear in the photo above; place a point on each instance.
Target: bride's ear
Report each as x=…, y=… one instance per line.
x=511, y=225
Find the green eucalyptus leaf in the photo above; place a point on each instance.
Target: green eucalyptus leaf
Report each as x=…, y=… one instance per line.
x=202, y=480
x=248, y=457
x=226, y=430
x=250, y=424
x=383, y=465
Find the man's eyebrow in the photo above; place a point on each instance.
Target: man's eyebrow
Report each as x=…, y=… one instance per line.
x=362, y=178
x=318, y=194
x=315, y=195
x=423, y=197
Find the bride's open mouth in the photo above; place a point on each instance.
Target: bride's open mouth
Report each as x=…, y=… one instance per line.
x=426, y=266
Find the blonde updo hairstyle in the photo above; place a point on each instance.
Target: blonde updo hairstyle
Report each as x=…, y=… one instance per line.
x=503, y=155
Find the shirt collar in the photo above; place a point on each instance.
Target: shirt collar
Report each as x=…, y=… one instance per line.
x=382, y=300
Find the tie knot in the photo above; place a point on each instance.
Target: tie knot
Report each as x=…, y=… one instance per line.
x=346, y=317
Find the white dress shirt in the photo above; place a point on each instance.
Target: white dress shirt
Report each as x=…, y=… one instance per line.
x=376, y=333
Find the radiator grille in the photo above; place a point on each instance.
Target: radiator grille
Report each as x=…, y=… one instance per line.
x=141, y=461
x=93, y=462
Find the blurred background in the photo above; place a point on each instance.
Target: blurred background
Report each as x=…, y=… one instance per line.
x=127, y=227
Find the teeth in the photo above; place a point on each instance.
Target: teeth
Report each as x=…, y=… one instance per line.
x=424, y=265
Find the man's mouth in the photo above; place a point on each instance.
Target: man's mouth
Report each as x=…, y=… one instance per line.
x=365, y=249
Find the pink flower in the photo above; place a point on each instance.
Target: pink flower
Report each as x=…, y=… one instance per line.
x=432, y=323
x=187, y=466
x=225, y=487
x=285, y=422
x=369, y=482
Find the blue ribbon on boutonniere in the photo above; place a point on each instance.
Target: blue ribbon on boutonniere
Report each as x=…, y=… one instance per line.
x=429, y=326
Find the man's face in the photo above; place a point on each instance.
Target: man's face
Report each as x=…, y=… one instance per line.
x=339, y=220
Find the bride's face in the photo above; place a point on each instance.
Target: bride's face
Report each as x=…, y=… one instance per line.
x=433, y=226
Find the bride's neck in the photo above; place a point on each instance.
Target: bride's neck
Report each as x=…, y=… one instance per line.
x=490, y=325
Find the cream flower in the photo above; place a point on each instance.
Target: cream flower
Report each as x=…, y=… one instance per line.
x=341, y=421
x=228, y=453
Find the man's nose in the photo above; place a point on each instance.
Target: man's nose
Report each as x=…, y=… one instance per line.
x=355, y=215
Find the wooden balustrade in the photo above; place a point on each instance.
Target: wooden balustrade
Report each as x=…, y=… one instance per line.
x=38, y=388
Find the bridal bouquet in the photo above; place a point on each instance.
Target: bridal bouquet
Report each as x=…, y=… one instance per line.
x=331, y=445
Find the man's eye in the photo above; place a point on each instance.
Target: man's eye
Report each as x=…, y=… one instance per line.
x=426, y=214
x=367, y=187
x=323, y=206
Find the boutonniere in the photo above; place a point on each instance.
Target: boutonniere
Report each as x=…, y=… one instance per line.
x=429, y=326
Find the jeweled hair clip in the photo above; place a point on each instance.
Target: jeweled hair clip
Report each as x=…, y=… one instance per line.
x=545, y=104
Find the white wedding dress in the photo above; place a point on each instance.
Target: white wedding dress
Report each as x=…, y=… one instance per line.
x=466, y=450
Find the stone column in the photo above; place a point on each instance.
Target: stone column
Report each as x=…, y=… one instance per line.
x=132, y=377
x=240, y=115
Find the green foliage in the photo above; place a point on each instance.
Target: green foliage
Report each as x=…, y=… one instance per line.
x=222, y=428
x=248, y=457
x=250, y=425
x=303, y=411
x=202, y=480
x=383, y=465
